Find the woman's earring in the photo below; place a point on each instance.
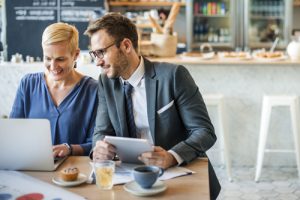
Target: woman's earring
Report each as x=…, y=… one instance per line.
x=75, y=64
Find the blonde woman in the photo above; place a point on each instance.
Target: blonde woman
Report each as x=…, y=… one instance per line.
x=60, y=94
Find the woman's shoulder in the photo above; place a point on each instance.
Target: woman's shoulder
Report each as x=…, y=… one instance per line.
x=89, y=82
x=31, y=81
x=32, y=77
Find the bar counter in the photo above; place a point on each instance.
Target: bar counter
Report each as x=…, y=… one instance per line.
x=226, y=61
x=243, y=84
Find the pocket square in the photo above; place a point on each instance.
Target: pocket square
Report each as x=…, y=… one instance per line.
x=163, y=109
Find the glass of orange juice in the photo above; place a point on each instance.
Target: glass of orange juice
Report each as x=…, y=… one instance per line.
x=104, y=172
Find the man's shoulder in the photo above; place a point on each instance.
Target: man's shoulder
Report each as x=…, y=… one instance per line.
x=107, y=82
x=164, y=69
x=157, y=64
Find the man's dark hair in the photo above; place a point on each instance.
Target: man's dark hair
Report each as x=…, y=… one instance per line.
x=117, y=26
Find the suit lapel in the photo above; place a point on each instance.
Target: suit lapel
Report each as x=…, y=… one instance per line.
x=119, y=99
x=151, y=94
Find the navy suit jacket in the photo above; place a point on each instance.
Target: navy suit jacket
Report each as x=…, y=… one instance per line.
x=177, y=116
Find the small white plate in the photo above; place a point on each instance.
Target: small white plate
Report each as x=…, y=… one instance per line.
x=195, y=56
x=279, y=57
x=270, y=59
x=234, y=55
x=137, y=190
x=81, y=179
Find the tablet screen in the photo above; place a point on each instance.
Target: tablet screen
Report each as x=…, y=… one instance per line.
x=128, y=149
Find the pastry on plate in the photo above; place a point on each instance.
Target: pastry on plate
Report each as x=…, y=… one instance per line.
x=69, y=174
x=276, y=54
x=233, y=54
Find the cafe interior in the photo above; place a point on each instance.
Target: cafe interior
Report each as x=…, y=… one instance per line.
x=244, y=56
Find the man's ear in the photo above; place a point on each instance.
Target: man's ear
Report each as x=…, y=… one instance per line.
x=126, y=45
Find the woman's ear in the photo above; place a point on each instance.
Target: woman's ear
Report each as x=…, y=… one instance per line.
x=77, y=52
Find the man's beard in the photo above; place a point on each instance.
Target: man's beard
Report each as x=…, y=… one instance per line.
x=120, y=66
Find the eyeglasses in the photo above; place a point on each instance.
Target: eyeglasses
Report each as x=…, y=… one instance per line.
x=100, y=52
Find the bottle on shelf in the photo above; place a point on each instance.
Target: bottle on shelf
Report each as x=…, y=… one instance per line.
x=196, y=30
x=209, y=8
x=197, y=7
x=204, y=8
x=223, y=8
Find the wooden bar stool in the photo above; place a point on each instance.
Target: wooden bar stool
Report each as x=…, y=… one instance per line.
x=217, y=100
x=268, y=103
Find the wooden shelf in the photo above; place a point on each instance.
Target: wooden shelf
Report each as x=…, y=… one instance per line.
x=211, y=16
x=259, y=17
x=148, y=4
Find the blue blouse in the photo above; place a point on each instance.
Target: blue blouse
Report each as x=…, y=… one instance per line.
x=72, y=121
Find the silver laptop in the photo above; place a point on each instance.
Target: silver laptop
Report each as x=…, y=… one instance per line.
x=25, y=144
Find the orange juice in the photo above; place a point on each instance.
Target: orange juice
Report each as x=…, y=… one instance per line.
x=104, y=177
x=104, y=171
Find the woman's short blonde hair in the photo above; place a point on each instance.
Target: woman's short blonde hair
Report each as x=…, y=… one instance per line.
x=61, y=32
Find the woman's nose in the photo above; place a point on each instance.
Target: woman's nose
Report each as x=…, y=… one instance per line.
x=52, y=64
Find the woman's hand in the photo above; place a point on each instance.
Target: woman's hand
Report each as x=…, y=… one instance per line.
x=60, y=150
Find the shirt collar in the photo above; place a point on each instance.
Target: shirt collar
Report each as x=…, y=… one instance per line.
x=138, y=74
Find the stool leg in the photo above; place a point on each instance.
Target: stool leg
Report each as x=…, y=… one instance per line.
x=224, y=141
x=263, y=133
x=295, y=124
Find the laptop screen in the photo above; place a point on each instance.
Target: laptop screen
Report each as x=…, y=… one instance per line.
x=26, y=145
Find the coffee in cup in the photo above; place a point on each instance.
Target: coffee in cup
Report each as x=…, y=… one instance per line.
x=146, y=176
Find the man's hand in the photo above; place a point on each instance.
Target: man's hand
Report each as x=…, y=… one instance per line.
x=158, y=157
x=103, y=151
x=60, y=150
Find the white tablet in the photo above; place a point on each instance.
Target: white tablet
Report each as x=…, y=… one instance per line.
x=128, y=149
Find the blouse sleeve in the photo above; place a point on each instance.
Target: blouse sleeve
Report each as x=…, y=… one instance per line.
x=88, y=145
x=18, y=108
x=92, y=106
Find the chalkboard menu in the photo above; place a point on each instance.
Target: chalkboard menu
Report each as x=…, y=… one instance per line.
x=27, y=19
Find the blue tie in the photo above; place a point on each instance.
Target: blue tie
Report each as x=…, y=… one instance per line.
x=129, y=110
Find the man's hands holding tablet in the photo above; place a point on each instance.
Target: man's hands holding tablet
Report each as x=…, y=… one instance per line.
x=158, y=157
x=103, y=151
x=132, y=150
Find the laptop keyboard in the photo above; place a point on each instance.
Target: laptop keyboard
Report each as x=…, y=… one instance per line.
x=56, y=159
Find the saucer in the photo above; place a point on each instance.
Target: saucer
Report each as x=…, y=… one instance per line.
x=82, y=178
x=135, y=189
